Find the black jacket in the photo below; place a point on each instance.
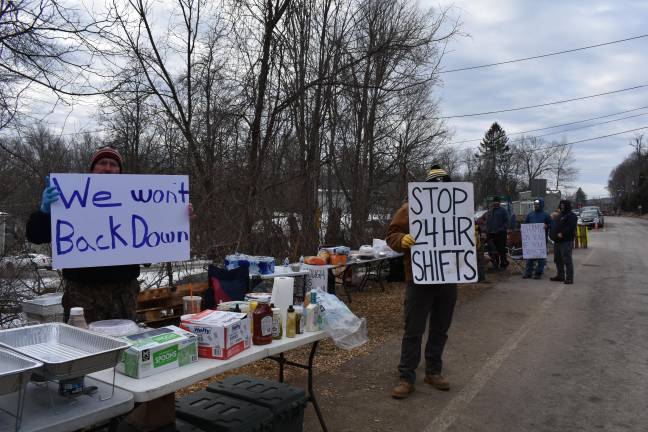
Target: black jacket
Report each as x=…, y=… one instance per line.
x=497, y=220
x=39, y=232
x=566, y=224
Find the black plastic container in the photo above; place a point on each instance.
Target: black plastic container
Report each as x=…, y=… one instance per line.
x=286, y=403
x=215, y=412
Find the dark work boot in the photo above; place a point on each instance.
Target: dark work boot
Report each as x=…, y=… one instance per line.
x=557, y=279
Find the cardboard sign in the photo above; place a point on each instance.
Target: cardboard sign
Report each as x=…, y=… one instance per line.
x=114, y=219
x=534, y=242
x=317, y=278
x=441, y=221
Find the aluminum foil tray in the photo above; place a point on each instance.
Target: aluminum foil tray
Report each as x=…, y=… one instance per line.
x=65, y=351
x=15, y=370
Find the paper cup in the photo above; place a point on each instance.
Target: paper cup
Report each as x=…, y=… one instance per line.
x=191, y=304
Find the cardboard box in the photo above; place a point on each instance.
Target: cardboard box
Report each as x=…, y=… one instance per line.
x=221, y=335
x=158, y=350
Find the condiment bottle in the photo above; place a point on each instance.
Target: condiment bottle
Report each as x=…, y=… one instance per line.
x=262, y=319
x=299, y=320
x=253, y=305
x=291, y=322
x=312, y=314
x=77, y=319
x=277, y=330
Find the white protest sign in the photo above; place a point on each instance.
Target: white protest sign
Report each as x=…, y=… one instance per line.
x=534, y=243
x=317, y=278
x=441, y=221
x=114, y=219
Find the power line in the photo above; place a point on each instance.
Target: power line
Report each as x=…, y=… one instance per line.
x=568, y=124
x=597, y=138
x=545, y=55
x=565, y=144
x=544, y=104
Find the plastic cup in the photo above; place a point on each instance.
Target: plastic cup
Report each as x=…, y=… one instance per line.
x=191, y=304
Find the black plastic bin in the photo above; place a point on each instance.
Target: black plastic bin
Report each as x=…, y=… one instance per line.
x=216, y=412
x=286, y=403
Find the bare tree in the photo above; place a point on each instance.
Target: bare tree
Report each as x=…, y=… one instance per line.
x=563, y=167
x=46, y=45
x=534, y=157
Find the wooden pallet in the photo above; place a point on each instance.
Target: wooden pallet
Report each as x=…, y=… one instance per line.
x=160, y=306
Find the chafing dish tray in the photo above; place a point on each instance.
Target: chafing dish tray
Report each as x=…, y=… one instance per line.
x=65, y=351
x=15, y=370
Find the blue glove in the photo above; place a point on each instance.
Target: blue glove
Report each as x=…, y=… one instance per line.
x=50, y=194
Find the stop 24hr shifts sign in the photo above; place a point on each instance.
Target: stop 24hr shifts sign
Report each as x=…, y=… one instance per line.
x=441, y=222
x=114, y=219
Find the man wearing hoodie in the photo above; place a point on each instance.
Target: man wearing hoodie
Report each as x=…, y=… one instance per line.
x=538, y=215
x=562, y=233
x=435, y=302
x=497, y=223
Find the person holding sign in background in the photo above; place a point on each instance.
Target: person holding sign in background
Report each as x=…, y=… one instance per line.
x=421, y=300
x=538, y=215
x=106, y=292
x=497, y=223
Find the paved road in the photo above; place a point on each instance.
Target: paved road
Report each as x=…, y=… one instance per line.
x=528, y=355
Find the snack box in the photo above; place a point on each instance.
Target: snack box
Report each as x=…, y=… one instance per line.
x=221, y=334
x=158, y=350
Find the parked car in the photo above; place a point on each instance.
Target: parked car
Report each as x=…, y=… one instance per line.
x=26, y=260
x=591, y=217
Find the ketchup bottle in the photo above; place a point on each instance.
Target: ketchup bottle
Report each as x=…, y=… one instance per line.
x=262, y=323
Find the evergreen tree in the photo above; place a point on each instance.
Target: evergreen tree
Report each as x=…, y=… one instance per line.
x=494, y=155
x=580, y=197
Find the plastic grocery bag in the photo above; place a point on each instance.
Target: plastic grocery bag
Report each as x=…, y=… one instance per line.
x=345, y=328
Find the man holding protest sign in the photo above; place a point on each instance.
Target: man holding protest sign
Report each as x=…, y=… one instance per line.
x=435, y=232
x=104, y=291
x=537, y=216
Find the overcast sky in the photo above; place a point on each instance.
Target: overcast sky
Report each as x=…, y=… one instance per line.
x=501, y=30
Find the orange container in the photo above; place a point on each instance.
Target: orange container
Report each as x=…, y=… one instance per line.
x=338, y=259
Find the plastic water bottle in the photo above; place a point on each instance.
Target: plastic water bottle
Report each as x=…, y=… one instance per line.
x=301, y=262
x=74, y=386
x=286, y=262
x=77, y=319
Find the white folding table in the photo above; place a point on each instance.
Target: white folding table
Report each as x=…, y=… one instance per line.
x=155, y=386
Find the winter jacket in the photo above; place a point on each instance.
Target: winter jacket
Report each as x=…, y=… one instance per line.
x=540, y=216
x=39, y=232
x=565, y=224
x=497, y=220
x=398, y=227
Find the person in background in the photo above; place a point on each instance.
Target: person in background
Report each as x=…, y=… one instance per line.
x=497, y=223
x=538, y=215
x=435, y=302
x=562, y=233
x=480, y=248
x=108, y=292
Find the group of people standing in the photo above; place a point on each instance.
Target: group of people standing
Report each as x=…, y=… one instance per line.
x=560, y=227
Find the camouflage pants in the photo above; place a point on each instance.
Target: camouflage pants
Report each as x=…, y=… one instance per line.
x=102, y=301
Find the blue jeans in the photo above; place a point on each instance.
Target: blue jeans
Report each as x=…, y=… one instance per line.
x=530, y=263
